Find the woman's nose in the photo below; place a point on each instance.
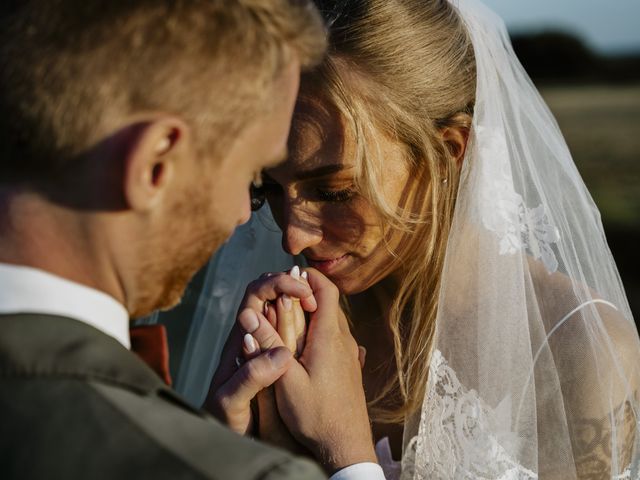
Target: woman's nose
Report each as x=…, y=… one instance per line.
x=299, y=232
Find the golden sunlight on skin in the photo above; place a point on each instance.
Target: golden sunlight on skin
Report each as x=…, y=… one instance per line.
x=336, y=229
x=205, y=216
x=325, y=226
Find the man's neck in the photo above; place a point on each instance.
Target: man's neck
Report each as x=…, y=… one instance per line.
x=39, y=234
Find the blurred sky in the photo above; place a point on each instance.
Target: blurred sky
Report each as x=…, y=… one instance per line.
x=607, y=25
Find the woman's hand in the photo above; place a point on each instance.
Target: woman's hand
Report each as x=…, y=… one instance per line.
x=234, y=386
x=287, y=317
x=320, y=397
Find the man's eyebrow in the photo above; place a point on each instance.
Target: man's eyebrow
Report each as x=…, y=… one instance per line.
x=322, y=171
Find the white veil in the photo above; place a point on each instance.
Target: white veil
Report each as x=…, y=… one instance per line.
x=534, y=371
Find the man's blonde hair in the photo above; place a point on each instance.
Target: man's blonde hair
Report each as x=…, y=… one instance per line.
x=73, y=70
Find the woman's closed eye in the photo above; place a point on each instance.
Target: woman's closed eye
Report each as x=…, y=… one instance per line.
x=314, y=191
x=335, y=196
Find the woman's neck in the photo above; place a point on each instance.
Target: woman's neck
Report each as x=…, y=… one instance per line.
x=370, y=315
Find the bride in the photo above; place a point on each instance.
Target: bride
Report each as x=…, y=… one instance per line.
x=428, y=180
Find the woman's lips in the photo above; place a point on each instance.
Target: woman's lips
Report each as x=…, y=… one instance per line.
x=327, y=266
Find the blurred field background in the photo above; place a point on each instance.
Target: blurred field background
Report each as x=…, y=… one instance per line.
x=595, y=97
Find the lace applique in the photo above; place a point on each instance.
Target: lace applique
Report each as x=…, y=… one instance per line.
x=504, y=211
x=457, y=438
x=624, y=476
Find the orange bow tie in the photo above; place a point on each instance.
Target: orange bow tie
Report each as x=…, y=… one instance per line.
x=149, y=342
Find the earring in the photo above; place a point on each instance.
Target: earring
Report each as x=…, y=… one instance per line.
x=258, y=197
x=163, y=146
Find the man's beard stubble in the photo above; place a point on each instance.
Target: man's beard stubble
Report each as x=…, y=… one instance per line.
x=172, y=261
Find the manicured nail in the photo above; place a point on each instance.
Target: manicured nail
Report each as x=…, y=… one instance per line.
x=295, y=272
x=250, y=321
x=286, y=302
x=279, y=357
x=250, y=344
x=305, y=275
x=266, y=309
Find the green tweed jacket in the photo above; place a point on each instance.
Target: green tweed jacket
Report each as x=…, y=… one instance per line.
x=74, y=404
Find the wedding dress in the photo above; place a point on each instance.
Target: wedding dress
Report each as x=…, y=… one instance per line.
x=535, y=367
x=534, y=372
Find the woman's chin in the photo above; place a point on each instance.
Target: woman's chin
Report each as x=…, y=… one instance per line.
x=348, y=284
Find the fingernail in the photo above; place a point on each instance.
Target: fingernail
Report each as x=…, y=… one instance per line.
x=305, y=275
x=250, y=321
x=279, y=357
x=250, y=344
x=286, y=302
x=295, y=272
x=266, y=309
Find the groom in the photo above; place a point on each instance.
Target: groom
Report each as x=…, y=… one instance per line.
x=130, y=131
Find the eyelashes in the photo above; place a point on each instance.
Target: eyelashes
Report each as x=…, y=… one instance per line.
x=319, y=194
x=335, y=196
x=269, y=187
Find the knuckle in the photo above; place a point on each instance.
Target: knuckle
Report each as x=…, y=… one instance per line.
x=244, y=318
x=221, y=403
x=225, y=403
x=253, y=371
x=283, y=282
x=254, y=286
x=270, y=340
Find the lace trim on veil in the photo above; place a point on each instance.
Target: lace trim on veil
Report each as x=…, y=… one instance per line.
x=461, y=438
x=457, y=439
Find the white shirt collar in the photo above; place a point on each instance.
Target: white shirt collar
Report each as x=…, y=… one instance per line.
x=29, y=290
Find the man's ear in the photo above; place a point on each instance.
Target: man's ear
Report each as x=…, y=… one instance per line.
x=151, y=160
x=456, y=139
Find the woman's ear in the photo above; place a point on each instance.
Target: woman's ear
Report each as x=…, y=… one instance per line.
x=150, y=160
x=456, y=138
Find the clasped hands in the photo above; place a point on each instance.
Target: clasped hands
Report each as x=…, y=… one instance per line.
x=305, y=380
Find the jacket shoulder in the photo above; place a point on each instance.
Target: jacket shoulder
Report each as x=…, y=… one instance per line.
x=69, y=428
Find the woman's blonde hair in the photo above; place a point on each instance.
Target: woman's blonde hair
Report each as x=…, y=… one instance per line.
x=415, y=69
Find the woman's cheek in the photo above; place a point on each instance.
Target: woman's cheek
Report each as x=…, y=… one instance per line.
x=354, y=223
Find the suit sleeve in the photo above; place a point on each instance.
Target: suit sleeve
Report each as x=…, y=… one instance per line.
x=296, y=469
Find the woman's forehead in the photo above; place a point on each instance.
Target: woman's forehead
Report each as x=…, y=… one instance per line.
x=317, y=136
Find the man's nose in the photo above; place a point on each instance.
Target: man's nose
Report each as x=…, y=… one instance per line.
x=299, y=232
